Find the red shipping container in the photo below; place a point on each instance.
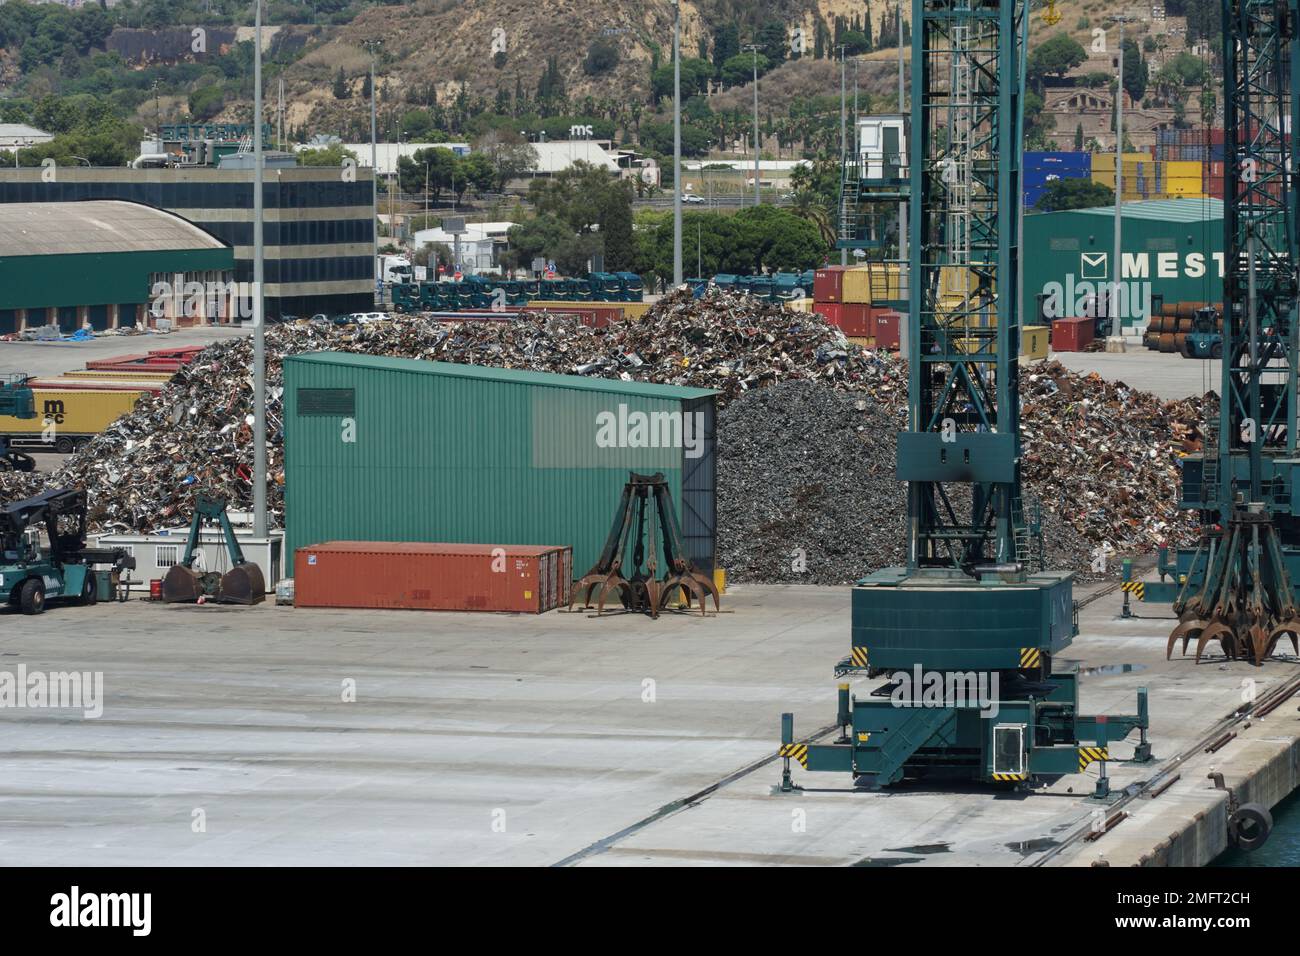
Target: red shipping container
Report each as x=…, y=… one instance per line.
x=887, y=330
x=857, y=319
x=416, y=575
x=852, y=318
x=828, y=284
x=830, y=311
x=1073, y=334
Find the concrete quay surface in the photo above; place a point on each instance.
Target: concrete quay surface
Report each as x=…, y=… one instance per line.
x=231, y=736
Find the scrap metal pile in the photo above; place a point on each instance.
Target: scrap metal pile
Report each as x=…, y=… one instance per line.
x=807, y=493
x=1099, y=456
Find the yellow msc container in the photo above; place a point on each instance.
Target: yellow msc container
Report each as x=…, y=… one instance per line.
x=634, y=310
x=799, y=305
x=1033, y=342
x=873, y=283
x=1106, y=161
x=161, y=377
x=66, y=418
x=1184, y=186
x=1183, y=169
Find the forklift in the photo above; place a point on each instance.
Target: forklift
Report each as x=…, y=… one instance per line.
x=16, y=400
x=244, y=583
x=31, y=575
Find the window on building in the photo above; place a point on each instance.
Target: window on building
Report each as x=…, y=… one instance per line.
x=167, y=555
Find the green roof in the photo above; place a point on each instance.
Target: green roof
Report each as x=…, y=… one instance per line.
x=509, y=375
x=1164, y=210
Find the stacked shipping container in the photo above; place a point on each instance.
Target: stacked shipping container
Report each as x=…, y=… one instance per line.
x=854, y=298
x=1039, y=169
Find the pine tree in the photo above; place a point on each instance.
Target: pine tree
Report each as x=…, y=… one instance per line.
x=340, y=85
x=1078, y=138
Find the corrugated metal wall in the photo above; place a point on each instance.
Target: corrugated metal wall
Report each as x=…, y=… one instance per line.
x=440, y=457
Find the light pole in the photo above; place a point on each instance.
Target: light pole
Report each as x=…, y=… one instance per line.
x=677, y=143
x=898, y=13
x=1115, y=342
x=259, y=303
x=374, y=169
x=844, y=252
x=758, y=199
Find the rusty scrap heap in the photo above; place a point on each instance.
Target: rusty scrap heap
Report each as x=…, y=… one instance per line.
x=1099, y=455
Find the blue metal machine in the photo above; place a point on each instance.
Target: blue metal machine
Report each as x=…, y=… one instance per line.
x=16, y=399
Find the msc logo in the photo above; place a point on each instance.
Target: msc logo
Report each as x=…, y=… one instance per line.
x=54, y=411
x=1094, y=265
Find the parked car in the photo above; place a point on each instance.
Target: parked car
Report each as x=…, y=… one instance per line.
x=692, y=198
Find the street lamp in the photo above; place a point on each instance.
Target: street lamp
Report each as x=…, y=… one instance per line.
x=374, y=168
x=677, y=143
x=844, y=252
x=757, y=196
x=259, y=305
x=1115, y=342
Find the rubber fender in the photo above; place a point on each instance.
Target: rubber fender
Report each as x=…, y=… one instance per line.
x=1249, y=827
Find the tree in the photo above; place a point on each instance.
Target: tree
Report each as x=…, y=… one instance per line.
x=1037, y=124
x=442, y=170
x=855, y=43
x=658, y=137
x=726, y=44
x=595, y=208
x=509, y=154
x=341, y=91
x=1062, y=194
x=1055, y=56
x=772, y=41
x=1078, y=138
x=331, y=155
x=739, y=70
x=1135, y=71
x=602, y=56
x=695, y=77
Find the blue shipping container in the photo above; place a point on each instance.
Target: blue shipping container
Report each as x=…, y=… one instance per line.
x=1079, y=161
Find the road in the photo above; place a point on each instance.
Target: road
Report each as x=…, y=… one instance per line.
x=48, y=359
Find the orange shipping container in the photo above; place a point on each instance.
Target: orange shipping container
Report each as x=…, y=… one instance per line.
x=529, y=579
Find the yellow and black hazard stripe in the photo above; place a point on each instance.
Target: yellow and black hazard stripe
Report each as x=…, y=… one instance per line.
x=1089, y=755
x=1136, y=588
x=1005, y=777
x=1030, y=657
x=859, y=656
x=797, y=752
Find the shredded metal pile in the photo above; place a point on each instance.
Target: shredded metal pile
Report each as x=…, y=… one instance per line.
x=1100, y=457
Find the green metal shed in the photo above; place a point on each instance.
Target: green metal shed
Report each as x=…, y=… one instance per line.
x=96, y=253
x=390, y=449
x=1173, y=245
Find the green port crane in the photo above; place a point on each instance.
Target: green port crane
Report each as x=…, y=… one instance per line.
x=966, y=632
x=1238, y=585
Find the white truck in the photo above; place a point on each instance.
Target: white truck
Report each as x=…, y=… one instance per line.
x=395, y=269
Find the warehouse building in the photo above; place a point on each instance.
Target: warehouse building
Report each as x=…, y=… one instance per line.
x=386, y=449
x=1172, y=252
x=106, y=264
x=319, y=233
